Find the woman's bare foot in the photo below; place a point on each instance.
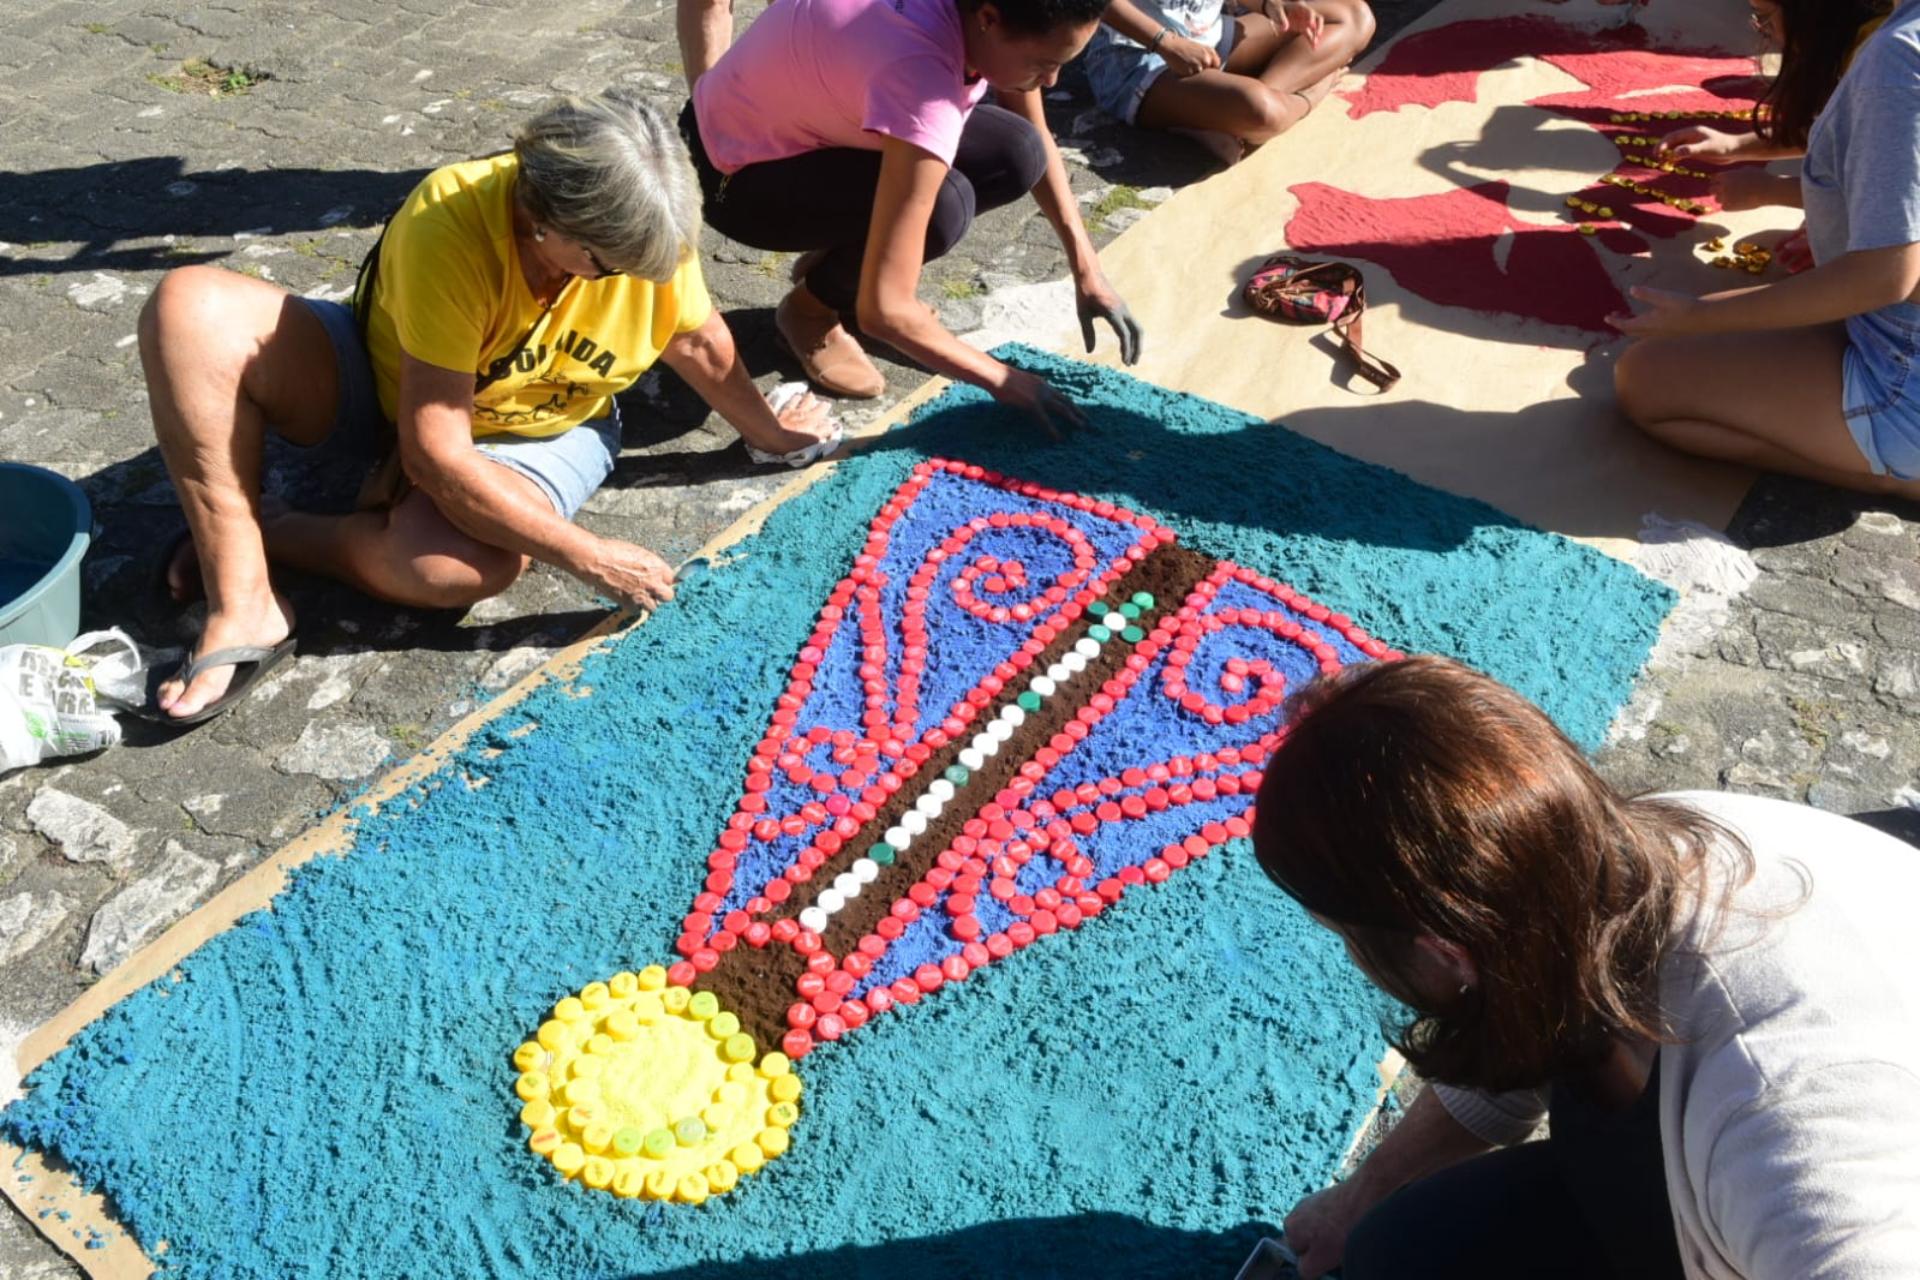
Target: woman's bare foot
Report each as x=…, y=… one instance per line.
x=265, y=624
x=1317, y=92
x=1224, y=147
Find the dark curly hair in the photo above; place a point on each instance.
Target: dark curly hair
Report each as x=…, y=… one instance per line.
x=1038, y=17
x=1817, y=38
x=1422, y=798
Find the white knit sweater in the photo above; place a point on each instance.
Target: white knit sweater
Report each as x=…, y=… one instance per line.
x=1790, y=1111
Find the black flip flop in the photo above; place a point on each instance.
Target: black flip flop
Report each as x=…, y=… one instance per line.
x=258, y=659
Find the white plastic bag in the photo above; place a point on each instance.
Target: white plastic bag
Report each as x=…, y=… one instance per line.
x=53, y=702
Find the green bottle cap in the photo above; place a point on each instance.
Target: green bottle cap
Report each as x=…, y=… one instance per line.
x=1028, y=701
x=1099, y=634
x=957, y=774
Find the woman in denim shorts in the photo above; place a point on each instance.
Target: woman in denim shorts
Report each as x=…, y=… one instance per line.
x=1813, y=375
x=507, y=302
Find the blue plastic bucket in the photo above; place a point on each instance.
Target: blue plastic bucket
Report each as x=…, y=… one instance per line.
x=46, y=526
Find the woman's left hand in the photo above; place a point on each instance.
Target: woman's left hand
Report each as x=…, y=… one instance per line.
x=1301, y=19
x=1094, y=299
x=1667, y=312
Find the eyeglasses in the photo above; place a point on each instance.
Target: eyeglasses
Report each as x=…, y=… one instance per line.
x=600, y=267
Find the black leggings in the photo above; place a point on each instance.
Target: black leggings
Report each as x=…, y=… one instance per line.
x=824, y=199
x=1589, y=1203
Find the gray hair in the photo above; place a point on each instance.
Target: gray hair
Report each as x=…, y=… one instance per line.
x=610, y=172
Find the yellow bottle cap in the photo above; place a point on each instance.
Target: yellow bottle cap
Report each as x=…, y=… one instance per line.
x=657, y=1185
x=648, y=1008
x=692, y=1189
x=530, y=1056
x=626, y=1142
x=531, y=1085
x=598, y=1171
x=622, y=1025
x=784, y=1089
x=741, y=1072
x=553, y=1035
x=569, y=1158
x=703, y=1005
x=586, y=1066
x=628, y=1178
x=775, y=1065
x=584, y=1091
x=544, y=1141
x=658, y=1144
x=676, y=999
x=623, y=984
x=747, y=1157
x=595, y=995
x=601, y=1043
x=570, y=1010
x=690, y=1131
x=773, y=1141
x=596, y=1138
x=737, y=1047
x=653, y=977
x=723, y=1024
x=721, y=1176
x=583, y=1117
x=538, y=1114
x=783, y=1114
x=716, y=1116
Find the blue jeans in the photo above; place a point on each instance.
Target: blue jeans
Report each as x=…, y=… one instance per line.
x=1881, y=397
x=567, y=467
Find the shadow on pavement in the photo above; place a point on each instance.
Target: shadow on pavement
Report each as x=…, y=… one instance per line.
x=104, y=206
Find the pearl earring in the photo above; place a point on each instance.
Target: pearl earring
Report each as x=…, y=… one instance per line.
x=540, y=233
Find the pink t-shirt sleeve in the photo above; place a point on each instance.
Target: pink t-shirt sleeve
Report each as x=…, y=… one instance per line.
x=900, y=105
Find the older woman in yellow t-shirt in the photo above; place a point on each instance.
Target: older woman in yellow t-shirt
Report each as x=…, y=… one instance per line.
x=508, y=301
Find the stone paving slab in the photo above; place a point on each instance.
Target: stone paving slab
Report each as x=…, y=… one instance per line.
x=122, y=164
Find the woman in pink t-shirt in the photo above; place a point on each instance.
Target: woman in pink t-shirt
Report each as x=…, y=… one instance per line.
x=854, y=130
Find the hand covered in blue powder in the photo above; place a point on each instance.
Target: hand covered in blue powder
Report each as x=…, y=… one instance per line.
x=1094, y=299
x=1038, y=397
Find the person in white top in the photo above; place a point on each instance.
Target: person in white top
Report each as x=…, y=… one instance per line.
x=1714, y=999
x=1232, y=76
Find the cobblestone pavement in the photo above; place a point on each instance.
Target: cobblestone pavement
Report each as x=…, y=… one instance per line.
x=121, y=163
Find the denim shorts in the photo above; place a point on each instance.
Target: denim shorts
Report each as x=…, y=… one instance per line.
x=1120, y=72
x=567, y=467
x=1880, y=396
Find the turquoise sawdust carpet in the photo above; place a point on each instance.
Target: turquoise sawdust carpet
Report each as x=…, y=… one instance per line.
x=326, y=1089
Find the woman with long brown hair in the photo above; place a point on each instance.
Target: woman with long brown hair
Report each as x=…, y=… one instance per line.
x=1715, y=998
x=1807, y=375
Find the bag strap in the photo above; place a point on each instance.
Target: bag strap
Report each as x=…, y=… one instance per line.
x=1375, y=370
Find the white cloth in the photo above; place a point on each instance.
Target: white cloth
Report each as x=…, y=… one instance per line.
x=1790, y=1111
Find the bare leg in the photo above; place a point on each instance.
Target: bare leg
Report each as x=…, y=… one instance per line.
x=1295, y=64
x=409, y=555
x=1768, y=400
x=705, y=28
x=224, y=355
x=1269, y=83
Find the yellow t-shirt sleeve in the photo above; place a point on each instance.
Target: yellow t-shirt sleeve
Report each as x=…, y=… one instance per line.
x=690, y=289
x=436, y=288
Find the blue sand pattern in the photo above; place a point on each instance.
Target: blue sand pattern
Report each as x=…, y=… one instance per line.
x=325, y=1089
